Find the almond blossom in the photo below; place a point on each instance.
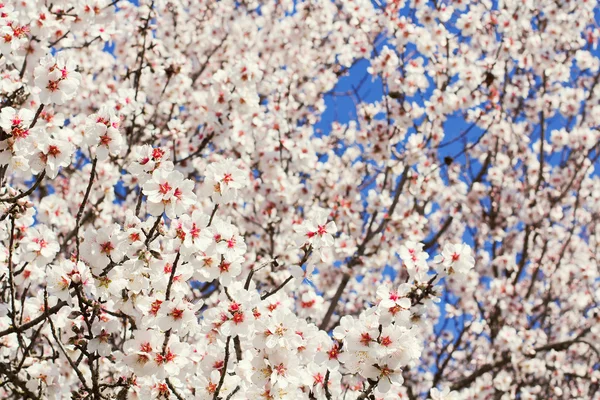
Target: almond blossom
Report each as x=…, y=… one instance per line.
x=56, y=79
x=281, y=200
x=223, y=181
x=168, y=192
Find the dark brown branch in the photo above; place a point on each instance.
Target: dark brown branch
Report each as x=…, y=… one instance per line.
x=35, y=321
x=505, y=360
x=224, y=372
x=430, y=243
x=361, y=249
x=83, y=203
x=201, y=147
x=212, y=215
x=17, y=382
x=277, y=289
x=28, y=192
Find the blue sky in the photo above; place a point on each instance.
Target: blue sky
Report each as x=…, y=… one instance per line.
x=342, y=109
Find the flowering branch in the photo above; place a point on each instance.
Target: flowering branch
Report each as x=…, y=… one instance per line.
x=412, y=190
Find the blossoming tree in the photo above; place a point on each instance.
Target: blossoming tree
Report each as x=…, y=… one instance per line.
x=175, y=223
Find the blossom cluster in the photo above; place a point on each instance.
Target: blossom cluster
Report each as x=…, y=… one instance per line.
x=196, y=204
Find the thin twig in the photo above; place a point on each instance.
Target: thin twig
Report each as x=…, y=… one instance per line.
x=224, y=372
x=28, y=192
x=83, y=203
